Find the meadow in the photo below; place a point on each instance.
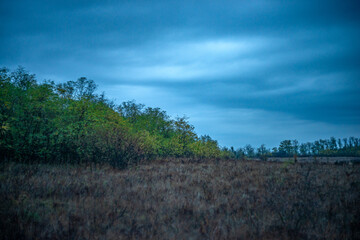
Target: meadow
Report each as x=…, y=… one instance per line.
x=180, y=199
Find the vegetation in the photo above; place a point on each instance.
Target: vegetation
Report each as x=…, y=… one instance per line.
x=180, y=199
x=288, y=148
x=67, y=171
x=69, y=123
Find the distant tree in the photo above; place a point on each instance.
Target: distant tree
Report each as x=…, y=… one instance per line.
x=351, y=142
x=233, y=152
x=262, y=152
x=316, y=148
x=295, y=147
x=333, y=144
x=321, y=147
x=285, y=148
x=345, y=141
x=249, y=151
x=340, y=145
x=275, y=151
x=303, y=149
x=240, y=153
x=356, y=142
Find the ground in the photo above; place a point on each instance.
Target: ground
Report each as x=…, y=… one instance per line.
x=181, y=199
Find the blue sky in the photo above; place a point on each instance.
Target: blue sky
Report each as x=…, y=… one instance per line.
x=242, y=71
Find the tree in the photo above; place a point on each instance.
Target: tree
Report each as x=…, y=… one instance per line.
x=340, y=145
x=22, y=79
x=345, y=140
x=249, y=151
x=333, y=145
x=262, y=152
x=295, y=147
x=304, y=149
x=275, y=151
x=240, y=153
x=130, y=110
x=285, y=148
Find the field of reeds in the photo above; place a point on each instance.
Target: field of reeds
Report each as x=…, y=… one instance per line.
x=181, y=199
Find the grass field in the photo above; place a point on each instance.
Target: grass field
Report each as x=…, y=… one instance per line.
x=181, y=199
x=314, y=159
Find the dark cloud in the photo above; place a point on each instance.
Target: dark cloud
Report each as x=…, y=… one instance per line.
x=292, y=60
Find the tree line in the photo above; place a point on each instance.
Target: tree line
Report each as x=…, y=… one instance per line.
x=288, y=148
x=69, y=123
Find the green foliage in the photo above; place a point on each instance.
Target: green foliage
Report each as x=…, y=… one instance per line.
x=69, y=123
x=206, y=148
x=166, y=137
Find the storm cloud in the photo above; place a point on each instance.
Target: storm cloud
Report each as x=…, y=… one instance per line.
x=243, y=71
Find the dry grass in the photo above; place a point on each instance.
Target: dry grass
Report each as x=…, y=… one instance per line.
x=181, y=199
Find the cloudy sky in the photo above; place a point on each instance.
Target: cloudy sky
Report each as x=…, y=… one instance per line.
x=242, y=71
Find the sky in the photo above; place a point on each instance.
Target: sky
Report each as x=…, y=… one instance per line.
x=243, y=72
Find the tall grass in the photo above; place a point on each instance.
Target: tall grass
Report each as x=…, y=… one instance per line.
x=180, y=199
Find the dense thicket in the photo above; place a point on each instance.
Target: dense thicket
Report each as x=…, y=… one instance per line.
x=69, y=123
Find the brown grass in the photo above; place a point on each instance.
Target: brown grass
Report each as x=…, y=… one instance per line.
x=181, y=199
